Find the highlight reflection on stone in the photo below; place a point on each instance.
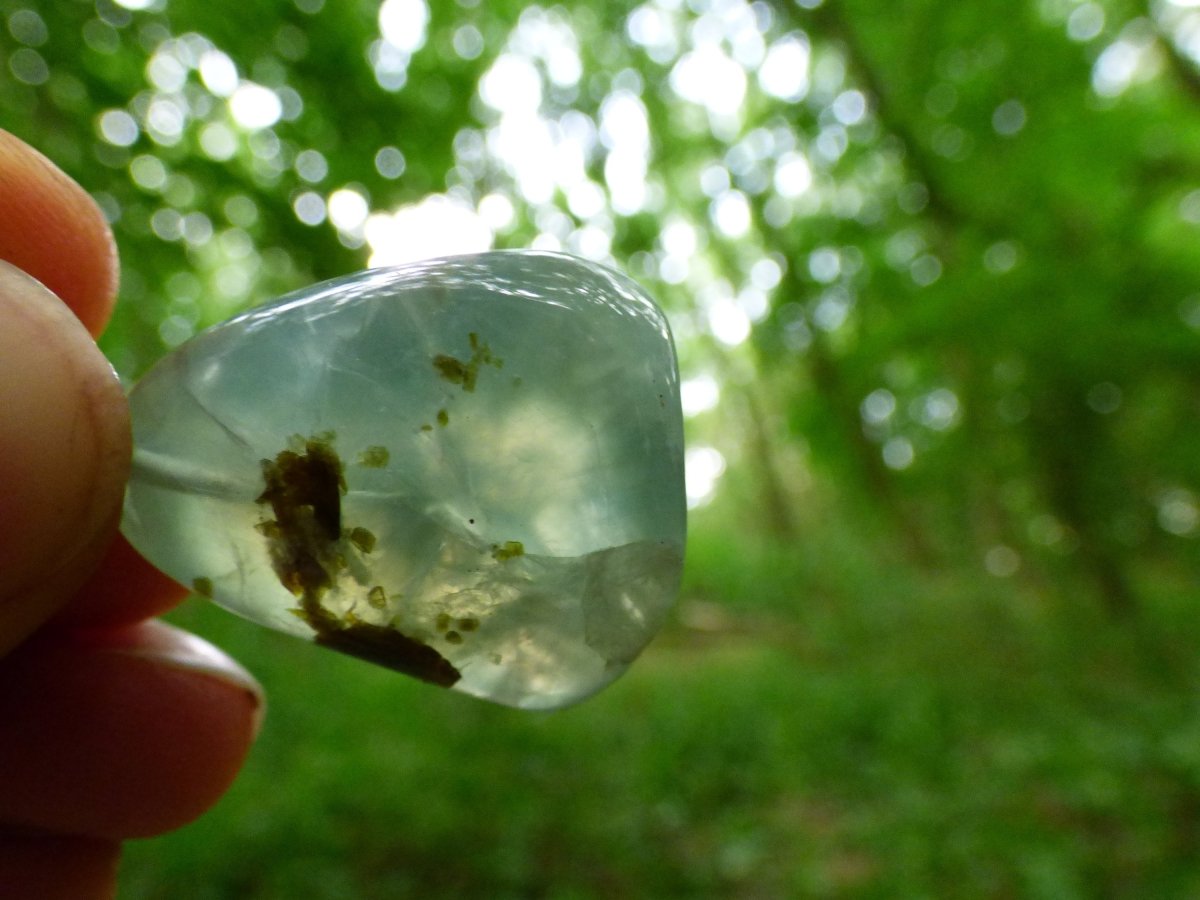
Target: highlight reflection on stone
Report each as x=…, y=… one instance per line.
x=467, y=469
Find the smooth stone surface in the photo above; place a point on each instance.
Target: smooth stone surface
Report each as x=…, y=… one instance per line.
x=467, y=469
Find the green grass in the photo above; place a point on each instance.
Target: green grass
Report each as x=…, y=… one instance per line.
x=801, y=729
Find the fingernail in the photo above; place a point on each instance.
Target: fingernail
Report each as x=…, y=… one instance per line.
x=174, y=648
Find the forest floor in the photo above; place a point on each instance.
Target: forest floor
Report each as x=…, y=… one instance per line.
x=869, y=734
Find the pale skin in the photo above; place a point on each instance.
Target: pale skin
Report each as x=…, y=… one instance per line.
x=112, y=725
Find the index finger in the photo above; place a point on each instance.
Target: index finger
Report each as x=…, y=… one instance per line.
x=52, y=229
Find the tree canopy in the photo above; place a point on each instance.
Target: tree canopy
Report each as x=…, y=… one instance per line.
x=938, y=260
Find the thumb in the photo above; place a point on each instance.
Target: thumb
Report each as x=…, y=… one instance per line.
x=64, y=454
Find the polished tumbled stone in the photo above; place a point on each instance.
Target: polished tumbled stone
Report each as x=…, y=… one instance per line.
x=468, y=469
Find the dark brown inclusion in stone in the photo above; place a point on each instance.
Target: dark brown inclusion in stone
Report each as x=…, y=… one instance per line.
x=308, y=553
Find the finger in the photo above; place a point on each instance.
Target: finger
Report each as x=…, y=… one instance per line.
x=50, y=867
x=124, y=733
x=52, y=229
x=123, y=589
x=64, y=454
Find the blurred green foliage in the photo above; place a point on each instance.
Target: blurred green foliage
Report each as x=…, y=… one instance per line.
x=932, y=272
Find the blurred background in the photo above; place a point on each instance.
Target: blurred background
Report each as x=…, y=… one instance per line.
x=934, y=276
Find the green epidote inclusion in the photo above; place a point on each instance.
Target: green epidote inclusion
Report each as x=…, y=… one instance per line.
x=374, y=458
x=508, y=550
x=466, y=374
x=309, y=551
x=453, y=629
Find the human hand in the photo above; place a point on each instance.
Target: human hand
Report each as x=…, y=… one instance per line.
x=112, y=725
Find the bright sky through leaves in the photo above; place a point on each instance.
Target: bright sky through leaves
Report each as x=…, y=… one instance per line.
x=727, y=153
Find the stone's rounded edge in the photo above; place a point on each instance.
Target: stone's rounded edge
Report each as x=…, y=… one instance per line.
x=393, y=276
x=465, y=264
x=674, y=404
x=547, y=702
x=556, y=702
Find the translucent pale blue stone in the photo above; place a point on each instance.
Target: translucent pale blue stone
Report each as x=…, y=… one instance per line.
x=468, y=469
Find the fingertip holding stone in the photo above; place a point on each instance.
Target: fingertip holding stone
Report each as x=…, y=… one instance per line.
x=51, y=228
x=64, y=453
x=164, y=645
